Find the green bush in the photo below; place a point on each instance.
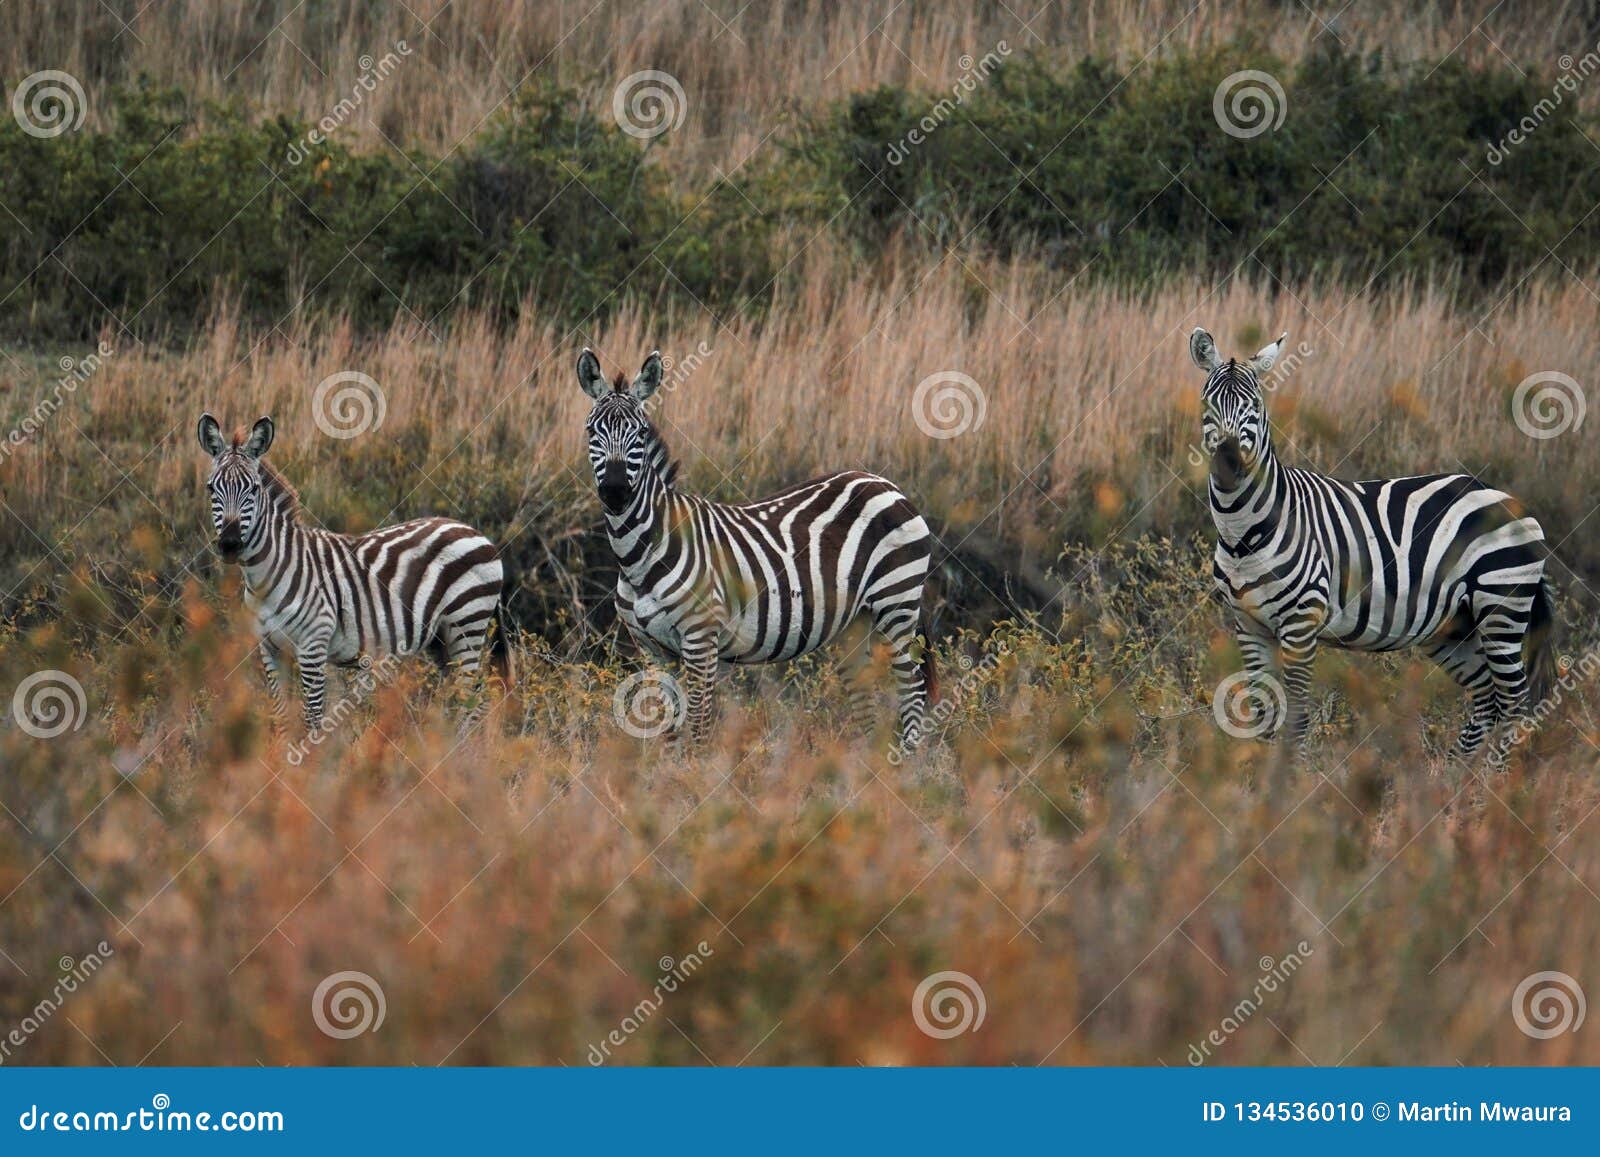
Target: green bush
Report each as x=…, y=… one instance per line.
x=1370, y=173
x=1374, y=173
x=151, y=220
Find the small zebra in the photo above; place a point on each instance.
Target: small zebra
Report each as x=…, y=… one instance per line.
x=336, y=598
x=1438, y=561
x=755, y=582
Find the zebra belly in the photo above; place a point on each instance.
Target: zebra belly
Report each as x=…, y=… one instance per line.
x=743, y=639
x=1346, y=629
x=345, y=646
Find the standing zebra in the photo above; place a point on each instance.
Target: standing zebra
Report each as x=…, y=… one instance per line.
x=759, y=581
x=1438, y=561
x=334, y=598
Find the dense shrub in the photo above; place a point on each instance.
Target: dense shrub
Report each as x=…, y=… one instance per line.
x=149, y=221
x=1373, y=171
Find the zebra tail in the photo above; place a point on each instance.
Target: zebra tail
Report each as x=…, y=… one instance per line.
x=930, y=673
x=1539, y=655
x=500, y=649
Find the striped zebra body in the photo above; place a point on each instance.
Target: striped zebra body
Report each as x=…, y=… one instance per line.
x=321, y=597
x=754, y=582
x=1441, y=562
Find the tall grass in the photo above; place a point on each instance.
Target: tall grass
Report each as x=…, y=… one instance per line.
x=743, y=67
x=1089, y=413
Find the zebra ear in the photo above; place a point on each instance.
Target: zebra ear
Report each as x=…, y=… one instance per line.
x=1203, y=350
x=260, y=438
x=1265, y=358
x=649, y=379
x=210, y=435
x=589, y=376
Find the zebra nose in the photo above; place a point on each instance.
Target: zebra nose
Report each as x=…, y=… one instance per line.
x=614, y=484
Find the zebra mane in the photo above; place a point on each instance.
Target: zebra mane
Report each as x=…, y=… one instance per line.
x=285, y=496
x=659, y=457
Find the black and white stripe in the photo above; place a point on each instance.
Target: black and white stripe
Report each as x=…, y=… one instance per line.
x=759, y=581
x=322, y=598
x=1439, y=561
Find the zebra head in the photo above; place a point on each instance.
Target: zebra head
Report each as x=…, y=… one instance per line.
x=1233, y=422
x=621, y=438
x=237, y=495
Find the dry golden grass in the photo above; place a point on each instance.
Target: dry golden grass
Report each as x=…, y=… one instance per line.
x=740, y=73
x=1112, y=886
x=1090, y=404
x=1110, y=879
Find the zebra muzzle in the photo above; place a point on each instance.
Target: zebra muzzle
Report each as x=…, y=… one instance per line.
x=1227, y=462
x=614, y=487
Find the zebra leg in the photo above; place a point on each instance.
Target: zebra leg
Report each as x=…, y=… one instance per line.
x=1260, y=661
x=464, y=643
x=272, y=667
x=1463, y=661
x=1510, y=694
x=898, y=622
x=313, y=660
x=700, y=668
x=1299, y=656
x=1503, y=621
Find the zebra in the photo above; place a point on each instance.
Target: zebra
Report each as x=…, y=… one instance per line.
x=343, y=598
x=753, y=582
x=1439, y=561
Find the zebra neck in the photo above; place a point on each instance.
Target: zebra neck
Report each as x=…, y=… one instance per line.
x=1247, y=515
x=638, y=531
x=277, y=538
